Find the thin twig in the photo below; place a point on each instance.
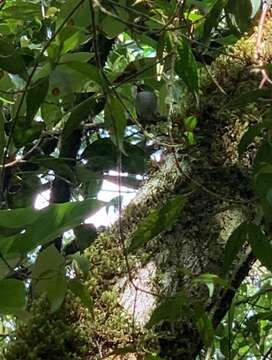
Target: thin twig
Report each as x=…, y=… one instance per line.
x=259, y=55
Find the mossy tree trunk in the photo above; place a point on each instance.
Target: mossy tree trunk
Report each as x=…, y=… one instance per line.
x=216, y=185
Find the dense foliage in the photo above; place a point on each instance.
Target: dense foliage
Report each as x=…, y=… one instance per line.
x=69, y=71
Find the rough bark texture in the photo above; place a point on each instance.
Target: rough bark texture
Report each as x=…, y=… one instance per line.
x=217, y=188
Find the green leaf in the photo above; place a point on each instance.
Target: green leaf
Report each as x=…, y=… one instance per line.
x=260, y=245
x=171, y=309
x=152, y=357
x=85, y=235
x=186, y=66
x=190, y=123
x=263, y=181
x=10, y=60
x=58, y=165
x=256, y=4
x=156, y=222
x=112, y=26
x=83, y=263
x=210, y=280
x=89, y=71
x=204, y=325
x=234, y=244
x=248, y=98
x=102, y=155
x=35, y=97
x=81, y=14
x=18, y=218
x=2, y=135
x=72, y=40
x=7, y=262
x=82, y=292
x=248, y=137
x=88, y=107
x=213, y=17
x=90, y=181
x=52, y=222
x=117, y=120
x=51, y=114
x=13, y=297
x=242, y=11
x=76, y=56
x=263, y=156
x=48, y=276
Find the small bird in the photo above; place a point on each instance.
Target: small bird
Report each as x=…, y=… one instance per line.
x=146, y=105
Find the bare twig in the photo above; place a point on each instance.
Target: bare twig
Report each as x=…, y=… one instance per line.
x=259, y=55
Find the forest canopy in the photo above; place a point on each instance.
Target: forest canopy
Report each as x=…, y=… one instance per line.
x=172, y=100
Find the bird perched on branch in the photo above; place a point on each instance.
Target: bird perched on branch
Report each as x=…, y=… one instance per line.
x=146, y=104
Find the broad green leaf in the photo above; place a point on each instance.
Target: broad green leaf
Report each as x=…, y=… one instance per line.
x=190, y=123
x=13, y=297
x=171, y=310
x=117, y=120
x=248, y=98
x=72, y=41
x=242, y=11
x=186, y=66
x=269, y=197
x=89, y=71
x=90, y=181
x=102, y=155
x=7, y=262
x=2, y=135
x=35, y=97
x=112, y=26
x=210, y=280
x=260, y=245
x=76, y=56
x=64, y=81
x=48, y=276
x=88, y=107
x=58, y=165
x=82, y=292
x=25, y=132
x=21, y=10
x=156, y=222
x=83, y=263
x=234, y=244
x=263, y=156
x=152, y=357
x=79, y=11
x=263, y=181
x=85, y=235
x=204, y=325
x=18, y=218
x=248, y=137
x=51, y=114
x=213, y=17
x=52, y=222
x=256, y=4
x=10, y=60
